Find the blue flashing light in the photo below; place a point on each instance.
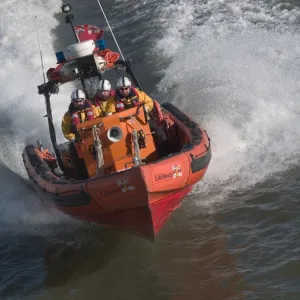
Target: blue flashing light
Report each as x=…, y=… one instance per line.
x=101, y=44
x=60, y=57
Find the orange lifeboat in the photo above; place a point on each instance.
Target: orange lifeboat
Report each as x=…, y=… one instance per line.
x=117, y=174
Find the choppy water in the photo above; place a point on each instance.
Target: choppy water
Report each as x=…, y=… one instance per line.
x=233, y=66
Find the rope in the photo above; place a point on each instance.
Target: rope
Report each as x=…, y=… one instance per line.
x=98, y=150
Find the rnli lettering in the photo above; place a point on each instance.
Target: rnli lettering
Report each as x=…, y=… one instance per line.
x=110, y=191
x=175, y=173
x=163, y=176
x=123, y=186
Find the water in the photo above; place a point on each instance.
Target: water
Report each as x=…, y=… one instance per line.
x=234, y=67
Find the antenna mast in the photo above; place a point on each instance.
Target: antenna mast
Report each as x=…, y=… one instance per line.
x=66, y=8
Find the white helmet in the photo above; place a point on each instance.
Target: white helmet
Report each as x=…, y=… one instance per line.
x=77, y=95
x=123, y=81
x=104, y=85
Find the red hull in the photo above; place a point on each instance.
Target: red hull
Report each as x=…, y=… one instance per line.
x=140, y=220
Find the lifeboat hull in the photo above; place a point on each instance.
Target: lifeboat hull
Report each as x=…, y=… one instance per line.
x=139, y=199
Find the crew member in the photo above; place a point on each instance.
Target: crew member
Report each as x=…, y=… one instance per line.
x=104, y=98
x=80, y=110
x=127, y=96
